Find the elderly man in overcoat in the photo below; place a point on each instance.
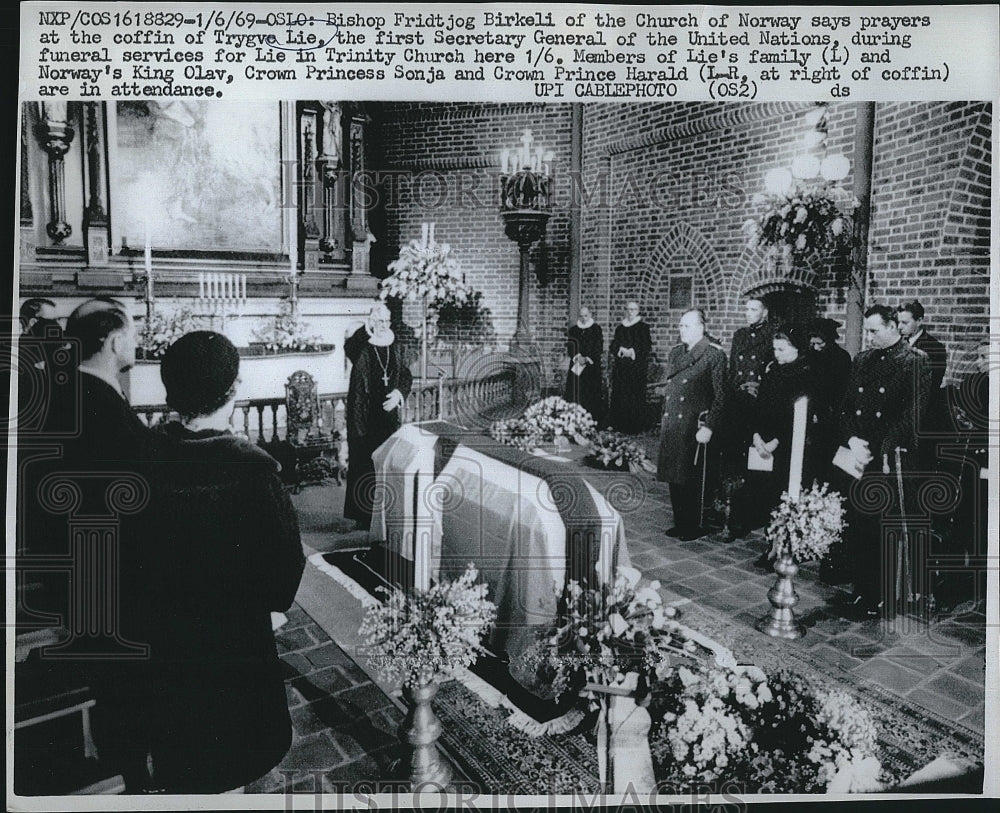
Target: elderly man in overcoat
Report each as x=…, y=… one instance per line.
x=693, y=403
x=888, y=388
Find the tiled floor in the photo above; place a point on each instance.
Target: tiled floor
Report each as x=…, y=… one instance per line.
x=345, y=722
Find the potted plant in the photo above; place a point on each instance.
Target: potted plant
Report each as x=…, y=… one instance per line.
x=418, y=639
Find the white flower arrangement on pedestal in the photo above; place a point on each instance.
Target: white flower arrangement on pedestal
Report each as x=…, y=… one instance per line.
x=419, y=637
x=803, y=528
x=425, y=271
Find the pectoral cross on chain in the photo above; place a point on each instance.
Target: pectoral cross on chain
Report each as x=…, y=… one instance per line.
x=385, y=379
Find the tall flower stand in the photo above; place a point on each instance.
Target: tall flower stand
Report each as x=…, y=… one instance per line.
x=422, y=728
x=781, y=622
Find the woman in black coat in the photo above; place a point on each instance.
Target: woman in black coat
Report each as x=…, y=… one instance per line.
x=786, y=379
x=222, y=555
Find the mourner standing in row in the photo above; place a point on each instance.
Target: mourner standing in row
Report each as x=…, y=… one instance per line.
x=585, y=380
x=887, y=389
x=694, y=399
x=630, y=356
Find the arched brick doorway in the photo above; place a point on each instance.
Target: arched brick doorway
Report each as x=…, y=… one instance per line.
x=788, y=304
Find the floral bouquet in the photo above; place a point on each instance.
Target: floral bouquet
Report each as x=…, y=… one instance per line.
x=607, y=632
x=806, y=219
x=516, y=432
x=555, y=417
x=160, y=331
x=418, y=638
x=804, y=527
x=781, y=734
x=425, y=271
x=287, y=332
x=611, y=449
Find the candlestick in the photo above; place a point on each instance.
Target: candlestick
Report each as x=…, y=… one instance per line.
x=798, y=447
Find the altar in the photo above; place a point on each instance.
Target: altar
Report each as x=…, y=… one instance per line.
x=446, y=496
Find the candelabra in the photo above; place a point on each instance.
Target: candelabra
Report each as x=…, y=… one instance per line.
x=222, y=297
x=525, y=200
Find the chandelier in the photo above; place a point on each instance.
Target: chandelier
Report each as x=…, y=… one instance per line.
x=814, y=164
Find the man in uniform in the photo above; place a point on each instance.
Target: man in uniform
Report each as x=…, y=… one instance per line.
x=752, y=351
x=887, y=388
x=693, y=403
x=933, y=419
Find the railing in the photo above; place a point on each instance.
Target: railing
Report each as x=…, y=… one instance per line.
x=263, y=419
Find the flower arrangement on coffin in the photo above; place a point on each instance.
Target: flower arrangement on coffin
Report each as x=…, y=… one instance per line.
x=287, y=331
x=162, y=330
x=417, y=639
x=802, y=220
x=607, y=632
x=802, y=529
x=550, y=420
x=780, y=734
x=610, y=449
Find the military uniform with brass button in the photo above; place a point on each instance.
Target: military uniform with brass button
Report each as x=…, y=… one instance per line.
x=695, y=383
x=885, y=392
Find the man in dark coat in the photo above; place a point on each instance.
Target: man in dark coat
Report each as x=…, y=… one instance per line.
x=751, y=352
x=104, y=446
x=933, y=420
x=887, y=389
x=694, y=399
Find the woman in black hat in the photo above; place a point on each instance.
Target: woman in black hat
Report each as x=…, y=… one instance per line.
x=786, y=378
x=223, y=553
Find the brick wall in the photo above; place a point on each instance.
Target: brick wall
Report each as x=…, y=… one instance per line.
x=666, y=188
x=930, y=236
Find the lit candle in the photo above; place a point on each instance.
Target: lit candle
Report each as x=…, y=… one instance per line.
x=432, y=234
x=798, y=447
x=423, y=229
x=201, y=285
x=148, y=253
x=243, y=285
x=504, y=161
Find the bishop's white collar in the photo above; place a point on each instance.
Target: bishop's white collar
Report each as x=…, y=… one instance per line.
x=628, y=321
x=584, y=325
x=382, y=339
